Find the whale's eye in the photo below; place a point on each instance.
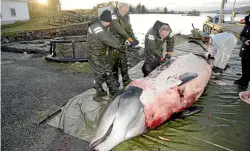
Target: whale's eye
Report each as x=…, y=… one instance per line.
x=181, y=92
x=152, y=115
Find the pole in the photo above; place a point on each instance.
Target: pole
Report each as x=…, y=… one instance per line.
x=221, y=11
x=232, y=18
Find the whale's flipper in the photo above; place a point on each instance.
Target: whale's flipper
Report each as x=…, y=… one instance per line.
x=188, y=112
x=202, y=56
x=187, y=77
x=191, y=111
x=197, y=43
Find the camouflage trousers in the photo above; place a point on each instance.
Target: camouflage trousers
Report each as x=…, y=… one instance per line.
x=123, y=64
x=105, y=69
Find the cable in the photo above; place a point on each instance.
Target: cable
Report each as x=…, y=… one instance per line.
x=196, y=42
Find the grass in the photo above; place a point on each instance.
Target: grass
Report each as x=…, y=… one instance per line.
x=34, y=24
x=77, y=67
x=39, y=20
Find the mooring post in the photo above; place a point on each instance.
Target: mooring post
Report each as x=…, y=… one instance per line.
x=233, y=13
x=74, y=48
x=53, y=48
x=221, y=12
x=50, y=48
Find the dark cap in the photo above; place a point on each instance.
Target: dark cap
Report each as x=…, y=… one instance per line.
x=247, y=19
x=106, y=16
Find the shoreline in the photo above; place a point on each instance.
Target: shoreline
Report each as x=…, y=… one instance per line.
x=41, y=46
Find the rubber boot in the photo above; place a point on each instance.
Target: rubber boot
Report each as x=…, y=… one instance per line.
x=126, y=80
x=100, y=94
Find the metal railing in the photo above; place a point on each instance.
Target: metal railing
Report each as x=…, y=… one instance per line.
x=73, y=40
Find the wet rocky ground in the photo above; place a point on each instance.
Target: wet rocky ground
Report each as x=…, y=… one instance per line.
x=32, y=88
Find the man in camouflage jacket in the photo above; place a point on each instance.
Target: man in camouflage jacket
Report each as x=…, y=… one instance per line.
x=103, y=60
x=122, y=29
x=159, y=34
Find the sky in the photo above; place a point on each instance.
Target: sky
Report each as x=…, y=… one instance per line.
x=181, y=5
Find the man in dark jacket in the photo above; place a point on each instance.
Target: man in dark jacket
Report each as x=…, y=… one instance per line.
x=102, y=60
x=159, y=34
x=245, y=54
x=122, y=29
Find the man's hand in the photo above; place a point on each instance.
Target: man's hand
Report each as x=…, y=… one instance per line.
x=167, y=57
x=247, y=42
x=136, y=41
x=131, y=42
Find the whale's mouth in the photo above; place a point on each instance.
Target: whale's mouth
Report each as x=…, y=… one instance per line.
x=102, y=139
x=121, y=120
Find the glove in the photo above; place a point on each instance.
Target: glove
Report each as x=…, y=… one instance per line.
x=247, y=42
x=167, y=56
x=136, y=42
x=131, y=42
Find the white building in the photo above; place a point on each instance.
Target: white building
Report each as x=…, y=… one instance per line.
x=14, y=10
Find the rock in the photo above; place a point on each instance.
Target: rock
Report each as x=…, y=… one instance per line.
x=5, y=40
x=27, y=34
x=70, y=30
x=37, y=46
x=57, y=30
x=19, y=39
x=52, y=32
x=46, y=32
x=32, y=42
